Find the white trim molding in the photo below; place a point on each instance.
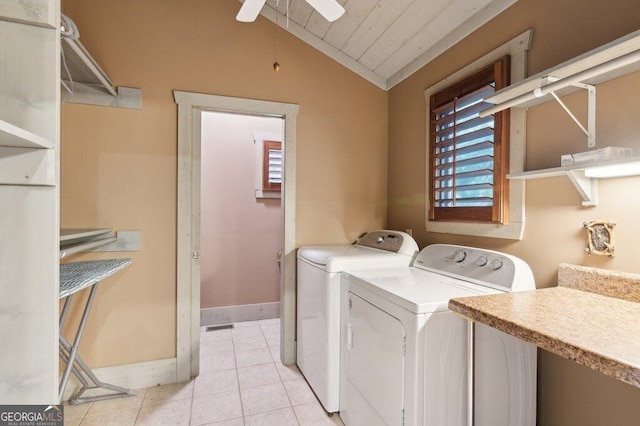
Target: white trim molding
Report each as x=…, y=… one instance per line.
x=190, y=106
x=132, y=376
x=517, y=48
x=239, y=313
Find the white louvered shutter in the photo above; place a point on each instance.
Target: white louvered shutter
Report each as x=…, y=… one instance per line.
x=275, y=166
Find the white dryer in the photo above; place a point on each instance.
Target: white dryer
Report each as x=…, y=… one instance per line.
x=318, y=302
x=408, y=360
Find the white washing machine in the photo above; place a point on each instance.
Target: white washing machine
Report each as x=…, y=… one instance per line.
x=408, y=360
x=318, y=302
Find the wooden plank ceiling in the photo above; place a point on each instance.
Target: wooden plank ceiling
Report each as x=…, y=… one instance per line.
x=385, y=41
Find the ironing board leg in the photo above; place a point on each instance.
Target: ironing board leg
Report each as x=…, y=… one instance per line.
x=69, y=354
x=65, y=357
x=65, y=310
x=76, y=341
x=97, y=383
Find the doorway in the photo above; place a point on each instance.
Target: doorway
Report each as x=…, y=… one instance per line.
x=241, y=217
x=190, y=108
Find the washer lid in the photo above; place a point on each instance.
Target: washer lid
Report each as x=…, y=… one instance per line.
x=351, y=258
x=416, y=290
x=320, y=255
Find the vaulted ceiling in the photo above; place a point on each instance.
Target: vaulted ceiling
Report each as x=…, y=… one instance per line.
x=385, y=41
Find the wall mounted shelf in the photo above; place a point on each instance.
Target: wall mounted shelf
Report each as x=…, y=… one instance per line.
x=76, y=235
x=84, y=81
x=582, y=176
x=77, y=240
x=83, y=240
x=613, y=60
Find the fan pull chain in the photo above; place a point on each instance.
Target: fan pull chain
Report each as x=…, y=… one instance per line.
x=276, y=65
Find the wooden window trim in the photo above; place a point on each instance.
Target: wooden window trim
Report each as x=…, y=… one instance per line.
x=499, y=72
x=266, y=185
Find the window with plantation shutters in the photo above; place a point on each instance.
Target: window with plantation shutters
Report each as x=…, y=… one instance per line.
x=272, y=166
x=468, y=155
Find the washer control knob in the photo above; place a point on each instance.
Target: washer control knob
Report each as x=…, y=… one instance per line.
x=459, y=256
x=380, y=240
x=495, y=264
x=482, y=260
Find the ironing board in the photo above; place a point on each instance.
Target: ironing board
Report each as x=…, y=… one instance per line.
x=74, y=277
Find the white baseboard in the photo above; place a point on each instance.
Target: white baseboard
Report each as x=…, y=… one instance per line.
x=239, y=313
x=132, y=376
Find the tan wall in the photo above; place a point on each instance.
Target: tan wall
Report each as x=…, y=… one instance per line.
x=568, y=394
x=240, y=234
x=119, y=166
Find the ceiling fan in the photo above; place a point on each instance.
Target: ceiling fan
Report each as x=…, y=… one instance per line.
x=330, y=9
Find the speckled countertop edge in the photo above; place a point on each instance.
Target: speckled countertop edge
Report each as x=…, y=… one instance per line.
x=600, y=332
x=621, y=285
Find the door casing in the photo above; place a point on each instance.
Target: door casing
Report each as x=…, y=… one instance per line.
x=190, y=107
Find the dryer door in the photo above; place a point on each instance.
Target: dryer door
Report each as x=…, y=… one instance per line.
x=374, y=370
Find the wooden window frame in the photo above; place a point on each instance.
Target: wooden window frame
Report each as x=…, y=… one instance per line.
x=498, y=213
x=266, y=185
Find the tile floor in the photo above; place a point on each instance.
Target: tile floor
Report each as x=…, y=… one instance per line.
x=241, y=382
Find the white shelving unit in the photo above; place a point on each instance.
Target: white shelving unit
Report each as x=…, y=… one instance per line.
x=29, y=118
x=29, y=200
x=30, y=99
x=605, y=63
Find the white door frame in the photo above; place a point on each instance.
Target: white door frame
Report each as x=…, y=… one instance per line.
x=190, y=107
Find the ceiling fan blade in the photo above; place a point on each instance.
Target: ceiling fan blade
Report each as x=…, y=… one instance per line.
x=330, y=9
x=250, y=10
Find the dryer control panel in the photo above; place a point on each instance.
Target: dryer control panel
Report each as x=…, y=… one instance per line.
x=485, y=267
x=393, y=241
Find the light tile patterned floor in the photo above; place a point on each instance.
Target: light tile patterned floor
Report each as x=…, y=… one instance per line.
x=241, y=382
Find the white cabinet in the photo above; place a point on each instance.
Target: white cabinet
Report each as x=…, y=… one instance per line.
x=29, y=200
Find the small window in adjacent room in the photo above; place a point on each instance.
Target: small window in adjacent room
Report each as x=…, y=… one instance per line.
x=272, y=166
x=469, y=155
